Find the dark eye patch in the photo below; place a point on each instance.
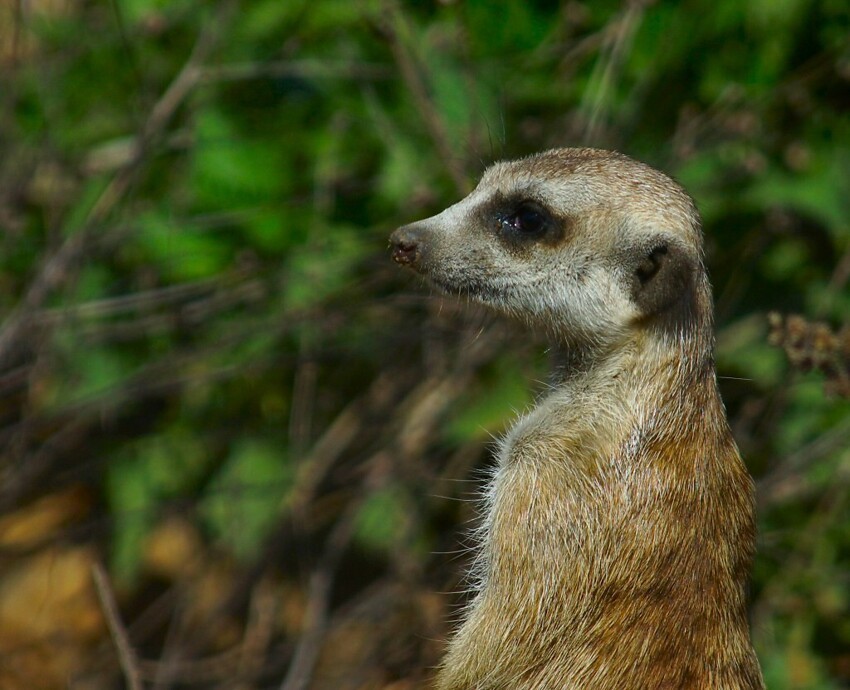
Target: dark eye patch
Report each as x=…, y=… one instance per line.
x=525, y=220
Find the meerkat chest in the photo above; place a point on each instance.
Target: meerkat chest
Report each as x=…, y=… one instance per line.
x=545, y=494
x=568, y=432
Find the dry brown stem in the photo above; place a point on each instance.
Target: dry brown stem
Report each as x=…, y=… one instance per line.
x=126, y=654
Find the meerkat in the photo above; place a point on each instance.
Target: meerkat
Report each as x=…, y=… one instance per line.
x=618, y=528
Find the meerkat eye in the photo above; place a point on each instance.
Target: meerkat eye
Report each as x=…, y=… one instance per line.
x=527, y=220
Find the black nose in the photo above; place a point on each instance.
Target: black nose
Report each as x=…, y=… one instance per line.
x=405, y=243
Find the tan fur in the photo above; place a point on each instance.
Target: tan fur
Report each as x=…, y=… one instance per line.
x=619, y=524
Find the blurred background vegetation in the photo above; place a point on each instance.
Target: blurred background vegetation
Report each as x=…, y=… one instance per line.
x=239, y=444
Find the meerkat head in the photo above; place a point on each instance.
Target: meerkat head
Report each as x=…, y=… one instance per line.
x=590, y=244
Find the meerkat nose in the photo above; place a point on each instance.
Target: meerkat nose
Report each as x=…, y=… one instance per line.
x=405, y=244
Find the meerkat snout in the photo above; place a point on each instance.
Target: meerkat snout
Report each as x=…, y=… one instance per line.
x=405, y=245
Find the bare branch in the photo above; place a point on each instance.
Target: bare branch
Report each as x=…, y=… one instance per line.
x=396, y=33
x=305, y=69
x=318, y=601
x=126, y=654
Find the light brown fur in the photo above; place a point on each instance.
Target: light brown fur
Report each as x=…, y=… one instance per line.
x=619, y=524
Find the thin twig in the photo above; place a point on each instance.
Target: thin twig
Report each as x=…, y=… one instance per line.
x=126, y=655
x=788, y=480
x=141, y=300
x=305, y=69
x=258, y=631
x=318, y=601
x=22, y=479
x=603, y=73
x=393, y=28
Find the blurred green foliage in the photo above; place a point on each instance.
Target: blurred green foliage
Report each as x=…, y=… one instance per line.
x=236, y=297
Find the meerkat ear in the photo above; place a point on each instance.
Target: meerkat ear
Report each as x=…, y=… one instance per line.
x=660, y=274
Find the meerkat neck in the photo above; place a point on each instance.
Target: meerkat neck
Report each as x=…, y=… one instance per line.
x=683, y=362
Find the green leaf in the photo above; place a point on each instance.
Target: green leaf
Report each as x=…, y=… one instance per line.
x=742, y=350
x=136, y=11
x=381, y=519
x=79, y=213
x=181, y=253
x=263, y=19
x=230, y=169
x=270, y=231
x=323, y=269
x=489, y=408
x=141, y=477
x=505, y=28
x=244, y=501
x=90, y=370
x=820, y=193
x=132, y=500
